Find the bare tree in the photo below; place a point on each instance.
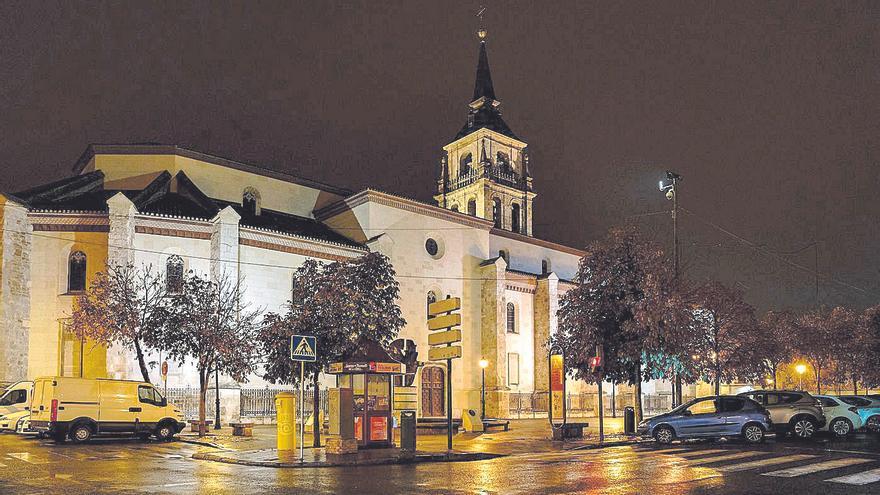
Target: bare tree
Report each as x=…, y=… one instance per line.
x=123, y=305
x=210, y=323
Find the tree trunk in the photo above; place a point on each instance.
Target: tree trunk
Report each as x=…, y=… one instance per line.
x=775, y=372
x=818, y=380
x=855, y=386
x=317, y=424
x=145, y=372
x=639, y=412
x=203, y=395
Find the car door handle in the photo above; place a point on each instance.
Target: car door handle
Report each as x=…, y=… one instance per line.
x=134, y=409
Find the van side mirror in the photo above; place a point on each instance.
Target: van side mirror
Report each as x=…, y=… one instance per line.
x=163, y=402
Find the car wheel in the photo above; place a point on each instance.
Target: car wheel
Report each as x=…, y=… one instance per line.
x=753, y=433
x=664, y=435
x=803, y=427
x=841, y=427
x=81, y=433
x=164, y=432
x=873, y=424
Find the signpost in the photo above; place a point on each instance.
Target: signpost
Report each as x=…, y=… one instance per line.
x=442, y=316
x=557, y=391
x=303, y=348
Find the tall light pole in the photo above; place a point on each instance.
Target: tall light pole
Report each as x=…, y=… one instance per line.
x=670, y=186
x=801, y=369
x=483, y=364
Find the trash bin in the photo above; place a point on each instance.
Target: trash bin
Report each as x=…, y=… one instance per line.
x=629, y=420
x=408, y=430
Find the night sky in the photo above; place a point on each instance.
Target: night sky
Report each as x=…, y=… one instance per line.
x=769, y=112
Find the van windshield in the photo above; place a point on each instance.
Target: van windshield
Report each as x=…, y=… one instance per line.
x=13, y=397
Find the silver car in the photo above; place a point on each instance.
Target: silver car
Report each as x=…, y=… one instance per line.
x=792, y=411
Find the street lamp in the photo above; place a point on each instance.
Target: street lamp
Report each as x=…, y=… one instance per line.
x=669, y=186
x=483, y=364
x=801, y=369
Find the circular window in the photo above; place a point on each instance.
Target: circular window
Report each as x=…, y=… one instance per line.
x=431, y=247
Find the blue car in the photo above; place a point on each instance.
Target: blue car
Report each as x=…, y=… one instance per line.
x=867, y=407
x=710, y=417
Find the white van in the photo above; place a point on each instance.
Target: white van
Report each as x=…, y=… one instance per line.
x=78, y=408
x=16, y=398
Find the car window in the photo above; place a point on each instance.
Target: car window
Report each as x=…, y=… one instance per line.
x=703, y=407
x=772, y=399
x=147, y=394
x=732, y=404
x=827, y=402
x=856, y=401
x=789, y=398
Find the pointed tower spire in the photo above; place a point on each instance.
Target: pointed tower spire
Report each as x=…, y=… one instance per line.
x=483, y=84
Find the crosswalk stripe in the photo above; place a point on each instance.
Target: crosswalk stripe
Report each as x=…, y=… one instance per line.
x=697, y=453
x=729, y=457
x=816, y=467
x=743, y=466
x=863, y=478
x=668, y=451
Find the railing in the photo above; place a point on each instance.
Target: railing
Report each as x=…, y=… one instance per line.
x=494, y=172
x=256, y=402
x=536, y=404
x=187, y=400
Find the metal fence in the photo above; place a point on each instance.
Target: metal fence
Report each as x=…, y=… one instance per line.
x=255, y=402
x=536, y=404
x=187, y=399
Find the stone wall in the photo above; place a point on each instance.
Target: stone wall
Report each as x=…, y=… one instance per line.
x=15, y=251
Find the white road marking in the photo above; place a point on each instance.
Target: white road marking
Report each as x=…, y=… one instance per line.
x=697, y=453
x=816, y=467
x=863, y=478
x=26, y=457
x=729, y=457
x=743, y=466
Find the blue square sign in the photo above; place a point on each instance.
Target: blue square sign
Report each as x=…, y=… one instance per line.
x=303, y=348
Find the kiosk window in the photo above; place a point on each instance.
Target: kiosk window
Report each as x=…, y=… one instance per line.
x=378, y=393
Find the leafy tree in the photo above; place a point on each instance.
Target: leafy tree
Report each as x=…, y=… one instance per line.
x=620, y=304
x=342, y=304
x=124, y=305
x=778, y=329
x=871, y=328
x=210, y=323
x=815, y=341
x=727, y=344
x=849, y=346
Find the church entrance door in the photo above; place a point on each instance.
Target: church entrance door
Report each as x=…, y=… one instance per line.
x=433, y=384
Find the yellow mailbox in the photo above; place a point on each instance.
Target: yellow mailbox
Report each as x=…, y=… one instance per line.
x=285, y=411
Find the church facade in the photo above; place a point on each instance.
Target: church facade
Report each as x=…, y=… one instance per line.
x=176, y=209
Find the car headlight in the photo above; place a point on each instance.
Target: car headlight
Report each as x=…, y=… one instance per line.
x=643, y=423
x=3, y=418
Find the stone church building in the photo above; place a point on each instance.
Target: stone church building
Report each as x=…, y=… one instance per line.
x=180, y=209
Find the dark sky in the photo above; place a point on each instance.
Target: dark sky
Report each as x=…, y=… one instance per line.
x=768, y=110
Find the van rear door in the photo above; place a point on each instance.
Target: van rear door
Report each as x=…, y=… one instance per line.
x=40, y=408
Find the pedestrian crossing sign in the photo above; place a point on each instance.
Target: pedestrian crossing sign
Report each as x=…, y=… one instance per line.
x=303, y=348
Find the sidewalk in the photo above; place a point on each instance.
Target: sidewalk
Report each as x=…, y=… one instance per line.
x=524, y=436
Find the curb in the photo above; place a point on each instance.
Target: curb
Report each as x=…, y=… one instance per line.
x=616, y=443
x=417, y=458
x=203, y=443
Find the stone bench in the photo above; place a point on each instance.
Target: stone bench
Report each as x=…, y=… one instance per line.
x=496, y=423
x=242, y=429
x=194, y=425
x=569, y=430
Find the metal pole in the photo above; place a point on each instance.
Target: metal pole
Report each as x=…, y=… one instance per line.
x=449, y=404
x=601, y=413
x=302, y=420
x=483, y=395
x=216, y=398
x=613, y=403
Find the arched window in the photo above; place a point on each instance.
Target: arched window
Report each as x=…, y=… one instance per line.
x=545, y=267
x=472, y=207
x=514, y=217
x=496, y=212
x=76, y=272
x=511, y=318
x=464, y=165
x=432, y=298
x=454, y=208
x=503, y=161
x=174, y=274
x=250, y=201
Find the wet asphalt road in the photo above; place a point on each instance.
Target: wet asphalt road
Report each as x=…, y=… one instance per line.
x=31, y=466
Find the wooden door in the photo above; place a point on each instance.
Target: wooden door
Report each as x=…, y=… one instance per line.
x=433, y=384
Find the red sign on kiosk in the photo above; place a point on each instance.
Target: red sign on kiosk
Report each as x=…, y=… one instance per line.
x=378, y=428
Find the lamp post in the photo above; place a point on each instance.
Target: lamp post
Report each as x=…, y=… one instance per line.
x=801, y=369
x=670, y=187
x=483, y=364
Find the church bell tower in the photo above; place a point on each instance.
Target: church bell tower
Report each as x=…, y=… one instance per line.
x=484, y=171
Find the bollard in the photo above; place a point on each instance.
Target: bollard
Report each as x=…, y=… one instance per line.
x=285, y=416
x=629, y=420
x=408, y=431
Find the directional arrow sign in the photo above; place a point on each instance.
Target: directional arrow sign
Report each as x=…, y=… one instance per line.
x=444, y=353
x=447, y=337
x=445, y=321
x=444, y=306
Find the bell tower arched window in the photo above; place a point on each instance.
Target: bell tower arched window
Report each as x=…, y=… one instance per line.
x=76, y=272
x=511, y=318
x=464, y=165
x=430, y=299
x=514, y=217
x=174, y=274
x=472, y=207
x=503, y=162
x=496, y=212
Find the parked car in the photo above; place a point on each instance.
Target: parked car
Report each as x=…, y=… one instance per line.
x=16, y=397
x=79, y=408
x=710, y=417
x=868, y=409
x=23, y=427
x=843, y=418
x=9, y=421
x=795, y=412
